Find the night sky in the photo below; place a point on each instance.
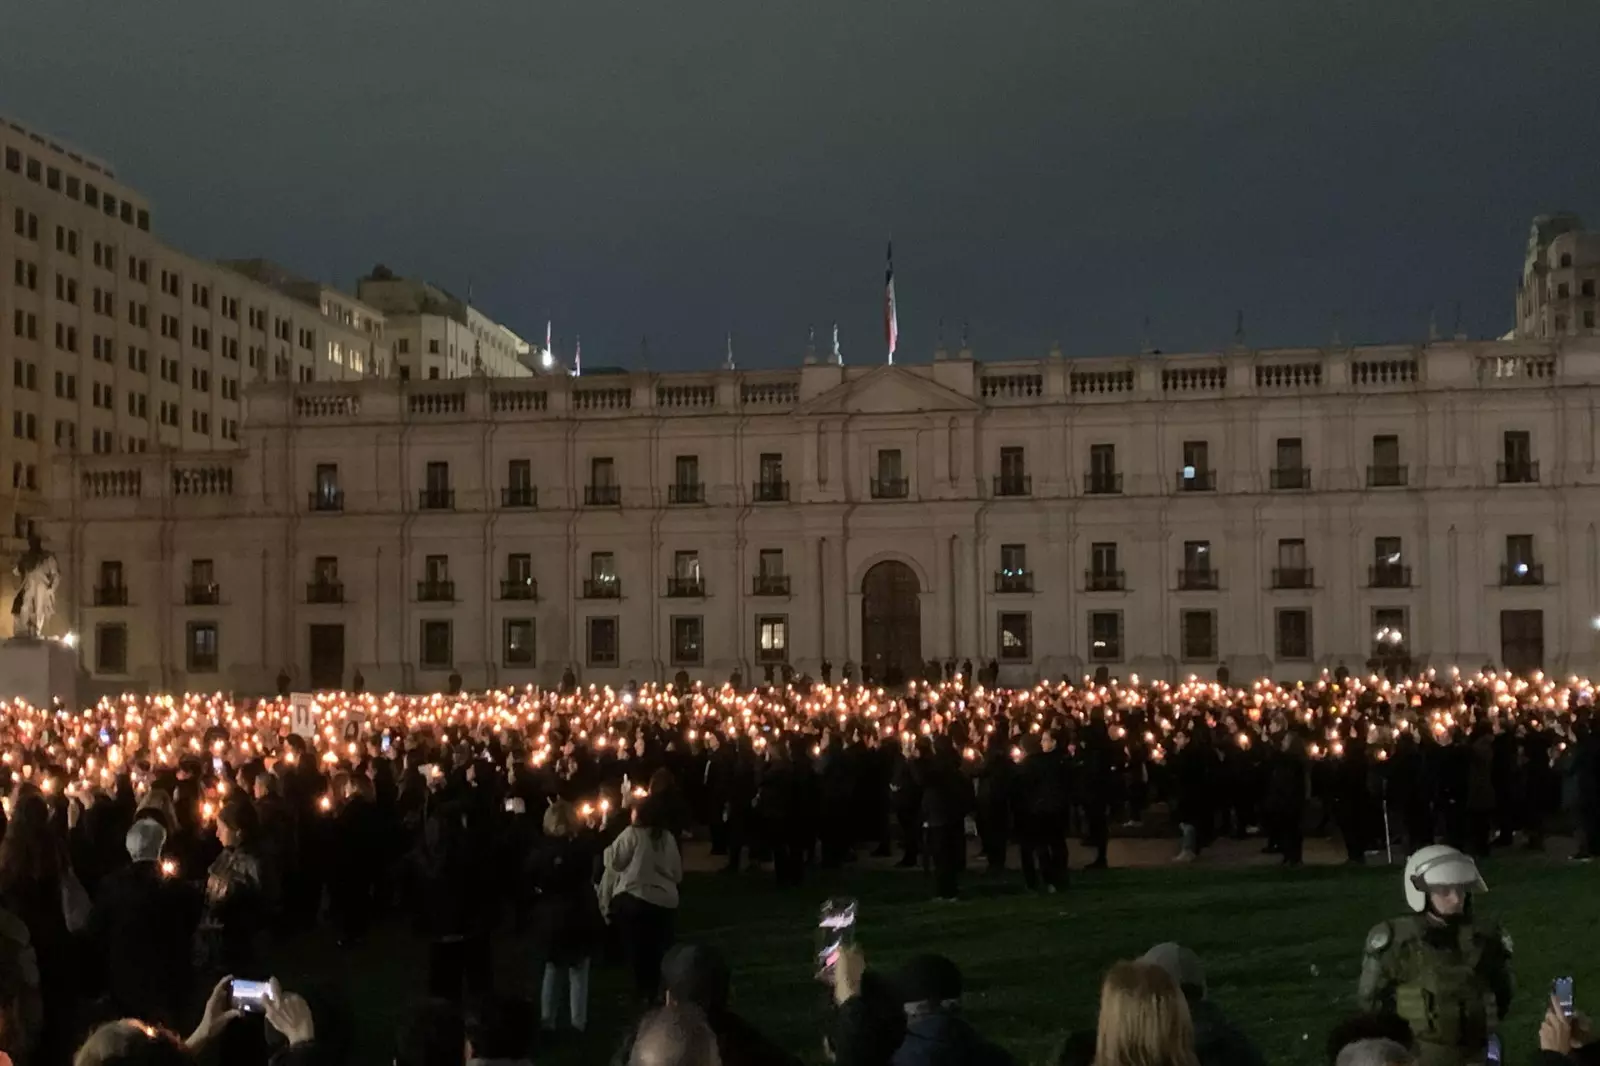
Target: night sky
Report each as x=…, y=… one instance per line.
x=1050, y=170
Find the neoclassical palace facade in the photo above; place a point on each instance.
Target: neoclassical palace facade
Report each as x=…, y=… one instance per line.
x=1274, y=511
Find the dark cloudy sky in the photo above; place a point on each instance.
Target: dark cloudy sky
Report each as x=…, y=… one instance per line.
x=1050, y=169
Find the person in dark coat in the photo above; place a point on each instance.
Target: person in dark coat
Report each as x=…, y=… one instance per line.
x=1217, y=1042
x=567, y=926
x=905, y=792
x=357, y=844
x=996, y=777
x=945, y=802
x=33, y=870
x=936, y=1033
x=1286, y=797
x=142, y=928
x=1044, y=795
x=697, y=975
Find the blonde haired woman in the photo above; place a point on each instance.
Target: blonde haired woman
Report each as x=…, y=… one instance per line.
x=566, y=916
x=1144, y=1019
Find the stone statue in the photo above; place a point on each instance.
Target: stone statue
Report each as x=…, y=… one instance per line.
x=36, y=593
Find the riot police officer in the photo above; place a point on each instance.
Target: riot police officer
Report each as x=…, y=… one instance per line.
x=1444, y=970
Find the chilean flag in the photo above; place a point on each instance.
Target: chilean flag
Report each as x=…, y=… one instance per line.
x=891, y=321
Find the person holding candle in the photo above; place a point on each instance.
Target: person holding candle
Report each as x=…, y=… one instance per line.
x=639, y=893
x=567, y=925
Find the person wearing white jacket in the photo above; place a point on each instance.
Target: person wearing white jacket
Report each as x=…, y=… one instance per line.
x=639, y=893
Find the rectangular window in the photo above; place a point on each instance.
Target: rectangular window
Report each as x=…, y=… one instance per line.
x=1013, y=560
x=1013, y=465
x=686, y=566
x=602, y=472
x=687, y=649
x=111, y=648
x=436, y=477
x=436, y=569
x=1386, y=469
x=519, y=475
x=518, y=650
x=1197, y=636
x=771, y=467
x=686, y=470
x=1389, y=631
x=1294, y=633
x=1197, y=556
x=1016, y=637
x=772, y=638
x=1292, y=554
x=1105, y=636
x=602, y=567
x=769, y=563
x=202, y=648
x=601, y=634
x=325, y=570
x=1103, y=558
x=1196, y=454
x=1102, y=468
x=438, y=651
x=889, y=464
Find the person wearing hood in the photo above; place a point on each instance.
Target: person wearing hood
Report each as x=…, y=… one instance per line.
x=698, y=976
x=929, y=986
x=1217, y=1041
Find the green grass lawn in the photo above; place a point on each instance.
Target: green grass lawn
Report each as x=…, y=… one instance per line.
x=1282, y=949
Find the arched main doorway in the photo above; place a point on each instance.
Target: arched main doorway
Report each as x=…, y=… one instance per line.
x=891, y=623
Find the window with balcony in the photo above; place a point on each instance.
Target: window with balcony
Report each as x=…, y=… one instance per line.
x=1015, y=636
x=325, y=586
x=1386, y=471
x=772, y=638
x=1388, y=570
x=1291, y=571
x=602, y=582
x=111, y=648
x=436, y=586
x=770, y=580
x=1102, y=478
x=688, y=647
x=1289, y=470
x=1390, y=629
x=601, y=641
x=1293, y=632
x=437, y=639
x=1197, y=636
x=326, y=495
x=201, y=647
x=518, y=584
x=1013, y=479
x=1517, y=465
x=1103, y=575
x=110, y=590
x=517, y=646
x=202, y=587
x=1520, y=567
x=1197, y=572
x=436, y=493
x=686, y=486
x=771, y=486
x=1105, y=636
x=686, y=579
x=602, y=490
x=1013, y=575
x=1196, y=474
x=890, y=482
x=519, y=490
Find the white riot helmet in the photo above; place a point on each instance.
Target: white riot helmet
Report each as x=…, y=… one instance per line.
x=1437, y=867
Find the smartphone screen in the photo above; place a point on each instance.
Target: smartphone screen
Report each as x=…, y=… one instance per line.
x=836, y=930
x=1493, y=1055
x=1561, y=989
x=250, y=996
x=386, y=742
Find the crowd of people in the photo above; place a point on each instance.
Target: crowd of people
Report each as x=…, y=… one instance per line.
x=154, y=843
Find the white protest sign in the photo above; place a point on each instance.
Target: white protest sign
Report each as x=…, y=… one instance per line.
x=302, y=714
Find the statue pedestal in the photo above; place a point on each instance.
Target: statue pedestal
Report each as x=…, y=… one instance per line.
x=39, y=671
